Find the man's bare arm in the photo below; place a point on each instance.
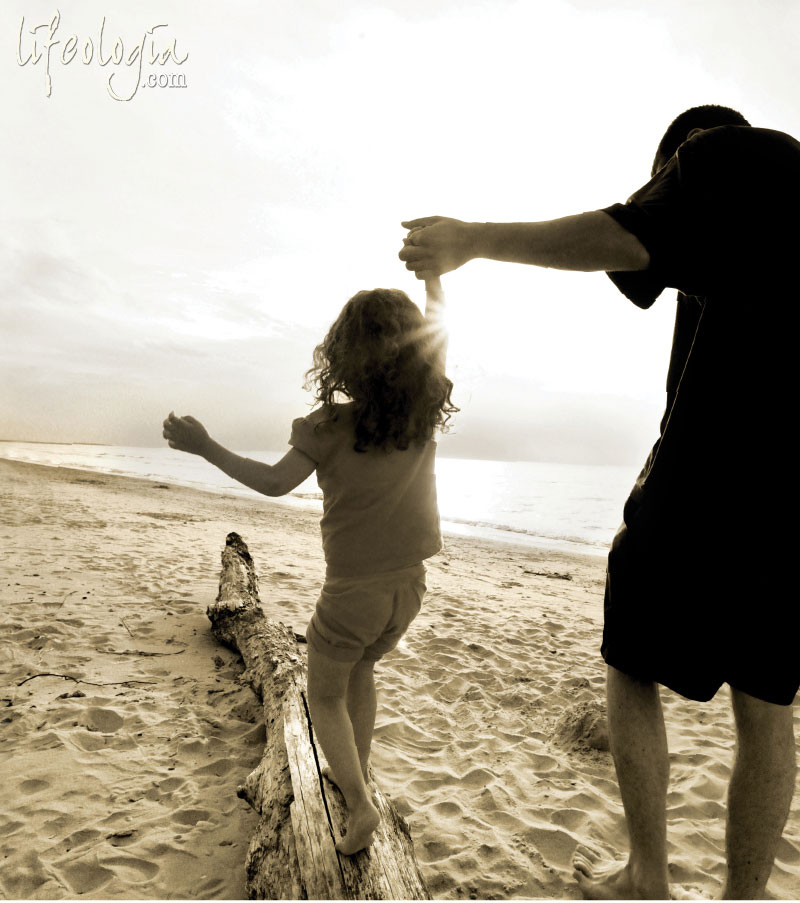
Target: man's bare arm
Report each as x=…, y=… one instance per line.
x=586, y=242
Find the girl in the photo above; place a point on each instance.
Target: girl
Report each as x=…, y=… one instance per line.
x=374, y=458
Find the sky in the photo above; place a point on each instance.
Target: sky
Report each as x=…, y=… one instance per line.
x=185, y=247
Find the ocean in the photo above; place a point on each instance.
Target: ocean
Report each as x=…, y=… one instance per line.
x=570, y=506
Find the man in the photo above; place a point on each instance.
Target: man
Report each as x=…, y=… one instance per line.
x=698, y=591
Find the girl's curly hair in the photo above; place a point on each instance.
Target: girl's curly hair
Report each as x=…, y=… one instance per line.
x=388, y=359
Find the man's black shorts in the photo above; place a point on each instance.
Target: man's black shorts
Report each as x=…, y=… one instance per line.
x=692, y=616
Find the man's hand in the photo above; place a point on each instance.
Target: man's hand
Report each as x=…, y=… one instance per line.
x=436, y=245
x=186, y=434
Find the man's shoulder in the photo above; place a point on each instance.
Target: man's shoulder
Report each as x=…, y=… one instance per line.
x=772, y=136
x=741, y=168
x=741, y=140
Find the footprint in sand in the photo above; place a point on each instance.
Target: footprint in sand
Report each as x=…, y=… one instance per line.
x=448, y=808
x=571, y=819
x=88, y=742
x=445, y=658
x=106, y=721
x=23, y=880
x=478, y=777
x=218, y=768
x=130, y=869
x=33, y=785
x=487, y=854
x=192, y=747
x=539, y=763
x=452, y=690
x=434, y=782
x=85, y=877
x=9, y=827
x=191, y=816
x=434, y=850
x=144, y=630
x=79, y=838
x=554, y=845
x=170, y=784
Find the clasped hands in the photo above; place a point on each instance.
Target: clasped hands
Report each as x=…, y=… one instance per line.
x=436, y=245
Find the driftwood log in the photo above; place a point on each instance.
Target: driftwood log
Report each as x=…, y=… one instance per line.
x=292, y=854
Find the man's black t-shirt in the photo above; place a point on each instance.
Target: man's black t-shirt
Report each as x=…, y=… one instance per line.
x=711, y=510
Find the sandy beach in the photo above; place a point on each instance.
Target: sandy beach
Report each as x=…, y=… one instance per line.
x=126, y=727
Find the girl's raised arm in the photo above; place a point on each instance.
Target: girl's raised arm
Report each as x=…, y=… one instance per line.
x=434, y=314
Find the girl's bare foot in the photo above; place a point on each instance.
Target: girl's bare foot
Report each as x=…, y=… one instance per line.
x=361, y=825
x=327, y=772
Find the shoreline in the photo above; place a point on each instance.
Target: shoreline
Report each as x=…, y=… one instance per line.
x=551, y=531
x=532, y=542
x=127, y=728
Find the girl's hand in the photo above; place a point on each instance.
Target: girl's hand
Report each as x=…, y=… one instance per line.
x=186, y=434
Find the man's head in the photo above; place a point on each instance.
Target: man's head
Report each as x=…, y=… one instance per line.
x=690, y=121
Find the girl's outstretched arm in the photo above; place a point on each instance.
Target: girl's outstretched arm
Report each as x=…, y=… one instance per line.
x=189, y=435
x=434, y=314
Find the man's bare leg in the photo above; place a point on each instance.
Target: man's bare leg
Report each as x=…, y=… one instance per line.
x=760, y=793
x=639, y=746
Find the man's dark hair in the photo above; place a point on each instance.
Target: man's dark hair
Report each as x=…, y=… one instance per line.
x=706, y=117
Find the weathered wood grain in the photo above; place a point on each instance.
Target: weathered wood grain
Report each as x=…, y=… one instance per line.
x=292, y=854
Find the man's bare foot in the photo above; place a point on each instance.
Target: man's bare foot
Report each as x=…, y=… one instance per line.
x=361, y=826
x=599, y=880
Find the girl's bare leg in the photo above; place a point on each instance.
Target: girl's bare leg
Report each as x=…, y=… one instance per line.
x=362, y=703
x=327, y=688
